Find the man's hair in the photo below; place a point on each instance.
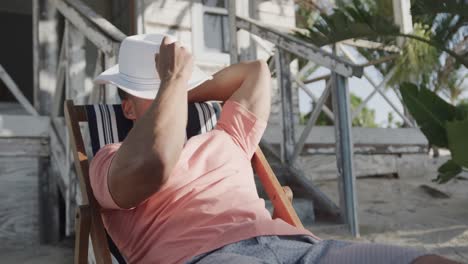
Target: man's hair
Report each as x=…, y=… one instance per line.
x=122, y=94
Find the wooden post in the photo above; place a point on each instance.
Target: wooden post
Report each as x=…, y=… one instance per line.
x=44, y=54
x=60, y=76
x=287, y=117
x=75, y=55
x=49, y=220
x=13, y=87
x=44, y=61
x=311, y=122
x=111, y=96
x=344, y=152
x=76, y=65
x=232, y=14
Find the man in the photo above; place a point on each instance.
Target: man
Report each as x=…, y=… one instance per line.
x=165, y=200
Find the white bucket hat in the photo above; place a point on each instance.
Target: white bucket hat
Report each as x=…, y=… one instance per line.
x=136, y=72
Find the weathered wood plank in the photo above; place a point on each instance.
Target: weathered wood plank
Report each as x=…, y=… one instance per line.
x=49, y=219
x=344, y=152
x=60, y=75
x=300, y=48
x=24, y=147
x=11, y=85
x=321, y=140
x=24, y=126
x=323, y=167
x=45, y=54
x=311, y=122
x=99, y=38
x=233, y=32
x=108, y=28
x=12, y=108
x=19, y=206
x=110, y=96
x=287, y=117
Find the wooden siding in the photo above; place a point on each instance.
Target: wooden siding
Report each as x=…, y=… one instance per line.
x=19, y=207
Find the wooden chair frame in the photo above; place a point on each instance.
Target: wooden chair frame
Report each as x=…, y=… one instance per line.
x=88, y=218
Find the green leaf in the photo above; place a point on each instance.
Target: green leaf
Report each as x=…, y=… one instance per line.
x=462, y=111
x=447, y=171
x=425, y=7
x=430, y=112
x=457, y=133
x=354, y=20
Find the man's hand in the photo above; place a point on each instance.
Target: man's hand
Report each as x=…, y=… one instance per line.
x=173, y=61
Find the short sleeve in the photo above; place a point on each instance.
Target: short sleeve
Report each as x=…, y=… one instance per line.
x=245, y=129
x=98, y=171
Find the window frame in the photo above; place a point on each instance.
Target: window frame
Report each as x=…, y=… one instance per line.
x=198, y=38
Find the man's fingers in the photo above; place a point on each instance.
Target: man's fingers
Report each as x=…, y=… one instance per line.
x=167, y=41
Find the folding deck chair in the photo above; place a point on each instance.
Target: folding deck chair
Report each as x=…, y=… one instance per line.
x=107, y=124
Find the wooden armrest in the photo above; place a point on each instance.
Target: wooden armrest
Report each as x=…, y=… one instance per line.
x=289, y=195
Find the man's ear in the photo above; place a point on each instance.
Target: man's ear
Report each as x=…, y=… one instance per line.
x=128, y=109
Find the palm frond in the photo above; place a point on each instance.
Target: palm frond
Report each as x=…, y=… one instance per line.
x=434, y=7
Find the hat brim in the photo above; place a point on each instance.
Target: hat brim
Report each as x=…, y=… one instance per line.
x=147, y=88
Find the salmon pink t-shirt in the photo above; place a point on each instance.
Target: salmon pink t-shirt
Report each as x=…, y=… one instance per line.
x=209, y=201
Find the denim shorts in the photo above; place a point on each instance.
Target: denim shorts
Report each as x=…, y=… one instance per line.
x=305, y=249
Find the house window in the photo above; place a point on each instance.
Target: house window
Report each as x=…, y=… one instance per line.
x=215, y=26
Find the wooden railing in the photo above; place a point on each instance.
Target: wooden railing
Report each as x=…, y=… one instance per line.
x=287, y=46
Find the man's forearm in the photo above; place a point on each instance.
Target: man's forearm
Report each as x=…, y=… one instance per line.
x=223, y=84
x=152, y=148
x=170, y=117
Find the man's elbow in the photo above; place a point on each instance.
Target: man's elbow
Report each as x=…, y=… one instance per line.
x=157, y=172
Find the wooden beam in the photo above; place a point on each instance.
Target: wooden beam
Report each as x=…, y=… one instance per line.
x=287, y=115
x=24, y=126
x=300, y=47
x=49, y=219
x=311, y=122
x=76, y=65
x=352, y=58
x=110, y=95
x=102, y=40
x=103, y=24
x=232, y=11
x=344, y=152
x=316, y=79
x=96, y=92
x=36, y=63
x=60, y=76
x=23, y=147
x=321, y=140
x=11, y=85
x=325, y=109
x=44, y=54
